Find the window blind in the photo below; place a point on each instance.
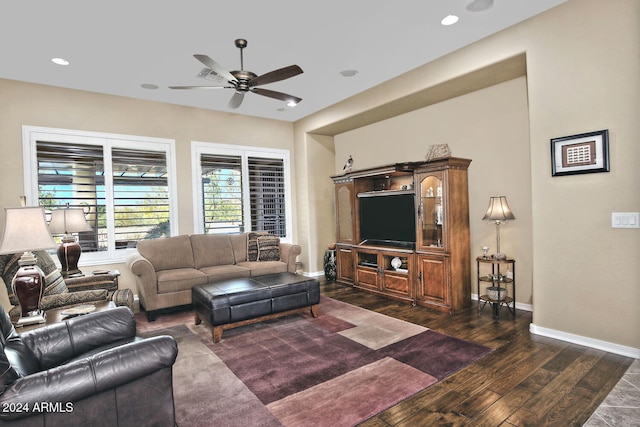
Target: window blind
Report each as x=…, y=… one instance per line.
x=222, y=193
x=140, y=195
x=74, y=174
x=267, y=195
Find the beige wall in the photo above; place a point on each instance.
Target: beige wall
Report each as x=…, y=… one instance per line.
x=46, y=106
x=582, y=74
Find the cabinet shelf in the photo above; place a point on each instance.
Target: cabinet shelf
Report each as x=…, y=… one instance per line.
x=505, y=300
x=488, y=279
x=377, y=193
x=368, y=264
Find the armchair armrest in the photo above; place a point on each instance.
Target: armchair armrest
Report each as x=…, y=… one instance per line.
x=288, y=254
x=88, y=377
x=60, y=342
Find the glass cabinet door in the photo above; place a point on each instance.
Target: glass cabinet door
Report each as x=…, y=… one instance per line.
x=431, y=215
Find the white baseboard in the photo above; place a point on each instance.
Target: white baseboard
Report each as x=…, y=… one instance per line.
x=586, y=341
x=519, y=305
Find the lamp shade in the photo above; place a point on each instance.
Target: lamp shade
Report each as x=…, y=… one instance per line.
x=498, y=210
x=68, y=220
x=25, y=230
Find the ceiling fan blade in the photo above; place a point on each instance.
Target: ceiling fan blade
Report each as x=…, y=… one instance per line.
x=215, y=67
x=201, y=87
x=277, y=95
x=276, y=75
x=236, y=100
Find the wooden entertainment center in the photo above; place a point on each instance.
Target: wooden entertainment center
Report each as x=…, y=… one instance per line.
x=430, y=263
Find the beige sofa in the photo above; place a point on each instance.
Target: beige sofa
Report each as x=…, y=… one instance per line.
x=166, y=269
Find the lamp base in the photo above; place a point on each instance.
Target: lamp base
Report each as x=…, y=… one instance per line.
x=28, y=286
x=32, y=320
x=69, y=253
x=67, y=274
x=499, y=256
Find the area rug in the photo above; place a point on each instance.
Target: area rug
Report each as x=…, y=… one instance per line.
x=339, y=369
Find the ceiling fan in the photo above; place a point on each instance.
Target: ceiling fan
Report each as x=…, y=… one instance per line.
x=244, y=81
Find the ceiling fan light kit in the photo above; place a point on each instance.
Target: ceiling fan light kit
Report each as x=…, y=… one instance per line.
x=243, y=81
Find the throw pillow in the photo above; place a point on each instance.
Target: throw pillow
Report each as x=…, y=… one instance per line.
x=268, y=248
x=252, y=244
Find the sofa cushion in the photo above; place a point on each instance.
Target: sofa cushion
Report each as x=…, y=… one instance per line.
x=168, y=253
x=259, y=268
x=212, y=249
x=268, y=248
x=223, y=272
x=179, y=279
x=252, y=244
x=239, y=244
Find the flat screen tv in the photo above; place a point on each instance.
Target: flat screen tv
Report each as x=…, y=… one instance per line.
x=388, y=219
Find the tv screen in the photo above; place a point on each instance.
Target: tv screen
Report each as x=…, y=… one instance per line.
x=389, y=219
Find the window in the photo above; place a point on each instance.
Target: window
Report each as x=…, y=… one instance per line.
x=241, y=189
x=124, y=184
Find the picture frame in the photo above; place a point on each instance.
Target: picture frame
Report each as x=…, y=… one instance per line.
x=579, y=154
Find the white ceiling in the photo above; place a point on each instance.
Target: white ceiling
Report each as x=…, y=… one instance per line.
x=115, y=46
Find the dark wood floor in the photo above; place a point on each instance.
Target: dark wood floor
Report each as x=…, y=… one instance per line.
x=527, y=380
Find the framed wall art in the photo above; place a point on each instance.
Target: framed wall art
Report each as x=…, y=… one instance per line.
x=583, y=153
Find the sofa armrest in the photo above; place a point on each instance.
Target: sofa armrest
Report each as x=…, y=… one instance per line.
x=60, y=342
x=289, y=254
x=146, y=279
x=88, y=377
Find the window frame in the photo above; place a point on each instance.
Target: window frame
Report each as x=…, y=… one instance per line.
x=198, y=148
x=32, y=134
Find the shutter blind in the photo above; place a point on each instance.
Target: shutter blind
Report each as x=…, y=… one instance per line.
x=140, y=196
x=222, y=193
x=266, y=194
x=74, y=174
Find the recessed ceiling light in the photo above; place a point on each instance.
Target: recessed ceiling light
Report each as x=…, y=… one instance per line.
x=149, y=86
x=291, y=103
x=60, y=61
x=348, y=73
x=479, y=5
x=449, y=20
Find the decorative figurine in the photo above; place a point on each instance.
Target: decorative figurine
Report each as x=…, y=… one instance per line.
x=347, y=166
x=485, y=252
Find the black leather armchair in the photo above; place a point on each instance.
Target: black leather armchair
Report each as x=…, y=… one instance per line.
x=86, y=371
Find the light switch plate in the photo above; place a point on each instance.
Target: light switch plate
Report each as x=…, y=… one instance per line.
x=625, y=220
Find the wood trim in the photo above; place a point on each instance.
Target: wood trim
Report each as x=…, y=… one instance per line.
x=216, y=331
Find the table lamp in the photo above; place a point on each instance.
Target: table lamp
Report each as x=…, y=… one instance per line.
x=499, y=212
x=66, y=221
x=26, y=231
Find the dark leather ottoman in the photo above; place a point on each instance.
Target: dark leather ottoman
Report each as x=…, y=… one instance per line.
x=237, y=302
